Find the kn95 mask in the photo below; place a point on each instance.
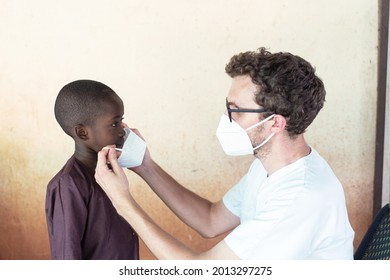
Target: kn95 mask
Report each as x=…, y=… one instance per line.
x=133, y=150
x=235, y=140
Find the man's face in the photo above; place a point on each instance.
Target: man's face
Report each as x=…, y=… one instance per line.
x=107, y=128
x=242, y=96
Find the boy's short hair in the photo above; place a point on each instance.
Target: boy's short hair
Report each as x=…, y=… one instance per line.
x=287, y=85
x=78, y=103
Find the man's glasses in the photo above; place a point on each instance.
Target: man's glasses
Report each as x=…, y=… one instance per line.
x=230, y=110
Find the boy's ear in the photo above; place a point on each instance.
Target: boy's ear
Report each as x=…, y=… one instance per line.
x=81, y=132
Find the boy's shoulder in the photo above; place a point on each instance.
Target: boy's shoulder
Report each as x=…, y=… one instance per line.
x=73, y=175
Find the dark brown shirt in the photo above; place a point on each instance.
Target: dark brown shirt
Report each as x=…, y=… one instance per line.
x=81, y=220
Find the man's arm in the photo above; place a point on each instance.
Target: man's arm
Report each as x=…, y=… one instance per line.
x=162, y=245
x=207, y=218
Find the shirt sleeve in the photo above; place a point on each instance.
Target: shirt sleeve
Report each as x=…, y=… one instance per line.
x=233, y=198
x=66, y=214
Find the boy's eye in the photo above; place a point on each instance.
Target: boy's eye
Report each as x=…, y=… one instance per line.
x=115, y=124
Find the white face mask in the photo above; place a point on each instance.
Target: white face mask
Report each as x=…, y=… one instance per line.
x=133, y=151
x=235, y=140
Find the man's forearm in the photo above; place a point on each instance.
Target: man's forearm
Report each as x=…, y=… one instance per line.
x=160, y=243
x=192, y=209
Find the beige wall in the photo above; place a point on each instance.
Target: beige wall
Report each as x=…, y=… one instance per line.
x=166, y=60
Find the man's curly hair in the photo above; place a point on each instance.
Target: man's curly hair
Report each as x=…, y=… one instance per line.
x=287, y=85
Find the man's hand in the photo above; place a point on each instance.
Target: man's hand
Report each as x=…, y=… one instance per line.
x=147, y=159
x=111, y=177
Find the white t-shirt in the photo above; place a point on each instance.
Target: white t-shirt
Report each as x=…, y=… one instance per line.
x=298, y=212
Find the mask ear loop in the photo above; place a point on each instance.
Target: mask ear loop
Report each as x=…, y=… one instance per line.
x=263, y=121
x=265, y=141
x=268, y=138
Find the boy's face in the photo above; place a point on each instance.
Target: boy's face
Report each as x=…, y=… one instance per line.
x=107, y=128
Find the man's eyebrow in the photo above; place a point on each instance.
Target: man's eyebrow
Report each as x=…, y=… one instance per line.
x=234, y=105
x=231, y=103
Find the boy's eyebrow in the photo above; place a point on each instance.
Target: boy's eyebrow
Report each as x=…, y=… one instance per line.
x=117, y=117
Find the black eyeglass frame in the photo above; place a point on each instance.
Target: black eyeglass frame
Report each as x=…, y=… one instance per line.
x=230, y=111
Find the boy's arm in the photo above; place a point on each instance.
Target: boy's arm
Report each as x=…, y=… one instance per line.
x=66, y=215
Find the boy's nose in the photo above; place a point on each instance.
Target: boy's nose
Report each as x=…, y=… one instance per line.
x=124, y=126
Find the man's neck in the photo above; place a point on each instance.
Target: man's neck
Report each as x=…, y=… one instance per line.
x=283, y=152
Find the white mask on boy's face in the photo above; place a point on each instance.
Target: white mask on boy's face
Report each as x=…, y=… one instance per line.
x=235, y=140
x=133, y=150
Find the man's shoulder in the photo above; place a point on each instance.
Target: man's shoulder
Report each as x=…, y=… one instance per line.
x=319, y=168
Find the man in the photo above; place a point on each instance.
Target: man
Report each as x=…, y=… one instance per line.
x=289, y=205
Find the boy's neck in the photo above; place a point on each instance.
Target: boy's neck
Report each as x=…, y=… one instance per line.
x=86, y=156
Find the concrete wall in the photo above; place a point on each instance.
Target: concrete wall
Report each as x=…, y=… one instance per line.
x=166, y=60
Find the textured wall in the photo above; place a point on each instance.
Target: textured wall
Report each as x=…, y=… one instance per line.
x=166, y=60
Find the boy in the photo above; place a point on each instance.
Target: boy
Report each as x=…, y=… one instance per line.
x=82, y=222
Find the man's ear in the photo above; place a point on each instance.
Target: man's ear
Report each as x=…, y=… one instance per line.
x=280, y=123
x=81, y=132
